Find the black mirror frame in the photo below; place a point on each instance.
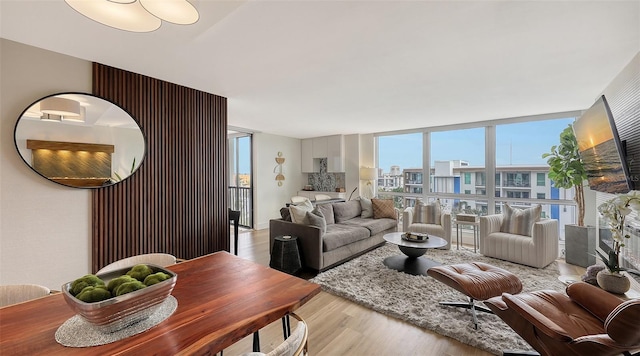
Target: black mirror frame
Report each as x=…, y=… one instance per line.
x=144, y=138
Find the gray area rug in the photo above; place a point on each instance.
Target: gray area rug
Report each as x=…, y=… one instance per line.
x=368, y=282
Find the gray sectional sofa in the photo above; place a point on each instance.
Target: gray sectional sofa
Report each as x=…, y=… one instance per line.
x=347, y=235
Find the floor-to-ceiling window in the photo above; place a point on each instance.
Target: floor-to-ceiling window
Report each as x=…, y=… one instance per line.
x=240, y=176
x=524, y=173
x=400, y=172
x=476, y=168
x=457, y=168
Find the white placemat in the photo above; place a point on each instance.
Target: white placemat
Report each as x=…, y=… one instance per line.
x=77, y=332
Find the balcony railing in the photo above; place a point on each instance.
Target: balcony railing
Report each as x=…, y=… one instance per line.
x=240, y=199
x=515, y=183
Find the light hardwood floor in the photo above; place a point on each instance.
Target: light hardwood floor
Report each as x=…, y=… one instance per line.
x=340, y=327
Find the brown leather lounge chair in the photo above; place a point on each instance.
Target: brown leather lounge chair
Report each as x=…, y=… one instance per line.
x=585, y=321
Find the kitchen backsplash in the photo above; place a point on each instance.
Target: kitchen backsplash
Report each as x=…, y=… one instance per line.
x=324, y=181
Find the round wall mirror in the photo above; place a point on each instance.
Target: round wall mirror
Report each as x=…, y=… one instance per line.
x=79, y=140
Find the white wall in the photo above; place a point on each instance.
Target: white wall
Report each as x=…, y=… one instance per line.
x=367, y=159
x=268, y=197
x=352, y=164
x=44, y=227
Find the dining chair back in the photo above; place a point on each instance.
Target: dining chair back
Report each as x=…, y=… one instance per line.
x=294, y=345
x=322, y=197
x=160, y=259
x=18, y=293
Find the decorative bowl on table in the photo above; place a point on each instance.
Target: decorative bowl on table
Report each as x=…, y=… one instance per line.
x=118, y=312
x=415, y=237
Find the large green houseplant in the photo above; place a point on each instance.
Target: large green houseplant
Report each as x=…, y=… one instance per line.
x=566, y=170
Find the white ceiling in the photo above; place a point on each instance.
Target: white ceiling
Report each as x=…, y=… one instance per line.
x=314, y=68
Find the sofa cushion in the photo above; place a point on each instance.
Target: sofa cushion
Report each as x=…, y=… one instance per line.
x=346, y=210
x=383, y=208
x=519, y=221
x=367, y=208
x=315, y=218
x=375, y=226
x=327, y=212
x=339, y=235
x=427, y=213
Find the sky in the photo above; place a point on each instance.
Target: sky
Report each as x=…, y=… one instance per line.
x=517, y=144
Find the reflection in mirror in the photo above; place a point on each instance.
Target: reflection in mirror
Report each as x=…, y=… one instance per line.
x=79, y=140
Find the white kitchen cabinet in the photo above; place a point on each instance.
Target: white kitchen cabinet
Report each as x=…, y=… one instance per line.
x=335, y=154
x=329, y=147
x=308, y=164
x=320, y=147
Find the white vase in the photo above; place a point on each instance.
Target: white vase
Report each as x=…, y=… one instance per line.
x=613, y=282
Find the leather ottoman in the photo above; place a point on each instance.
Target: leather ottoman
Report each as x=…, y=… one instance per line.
x=478, y=281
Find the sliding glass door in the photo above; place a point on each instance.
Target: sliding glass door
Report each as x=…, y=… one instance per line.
x=241, y=176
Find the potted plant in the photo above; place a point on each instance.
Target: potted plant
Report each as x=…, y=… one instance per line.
x=614, y=211
x=566, y=170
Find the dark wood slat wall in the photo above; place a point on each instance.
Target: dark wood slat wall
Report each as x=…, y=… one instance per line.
x=177, y=200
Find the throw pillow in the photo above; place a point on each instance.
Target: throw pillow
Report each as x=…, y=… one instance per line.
x=383, y=208
x=427, y=213
x=298, y=213
x=367, y=208
x=346, y=210
x=315, y=218
x=519, y=221
x=327, y=212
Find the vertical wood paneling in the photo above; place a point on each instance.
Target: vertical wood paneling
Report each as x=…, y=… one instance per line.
x=177, y=200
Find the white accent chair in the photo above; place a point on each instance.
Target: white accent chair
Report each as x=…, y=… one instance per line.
x=320, y=197
x=160, y=259
x=537, y=250
x=443, y=229
x=18, y=293
x=298, y=199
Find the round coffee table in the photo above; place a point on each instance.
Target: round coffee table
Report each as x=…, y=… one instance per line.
x=412, y=261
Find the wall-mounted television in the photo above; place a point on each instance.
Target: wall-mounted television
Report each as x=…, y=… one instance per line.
x=602, y=153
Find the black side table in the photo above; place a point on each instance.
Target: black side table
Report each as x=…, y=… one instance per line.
x=285, y=255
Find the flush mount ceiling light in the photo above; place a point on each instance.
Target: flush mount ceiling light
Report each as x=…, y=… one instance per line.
x=60, y=107
x=137, y=15
x=79, y=118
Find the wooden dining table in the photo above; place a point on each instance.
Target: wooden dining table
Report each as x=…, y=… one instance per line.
x=221, y=299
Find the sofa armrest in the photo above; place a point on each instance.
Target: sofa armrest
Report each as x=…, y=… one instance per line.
x=407, y=218
x=309, y=240
x=545, y=240
x=545, y=229
x=445, y=222
x=488, y=225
